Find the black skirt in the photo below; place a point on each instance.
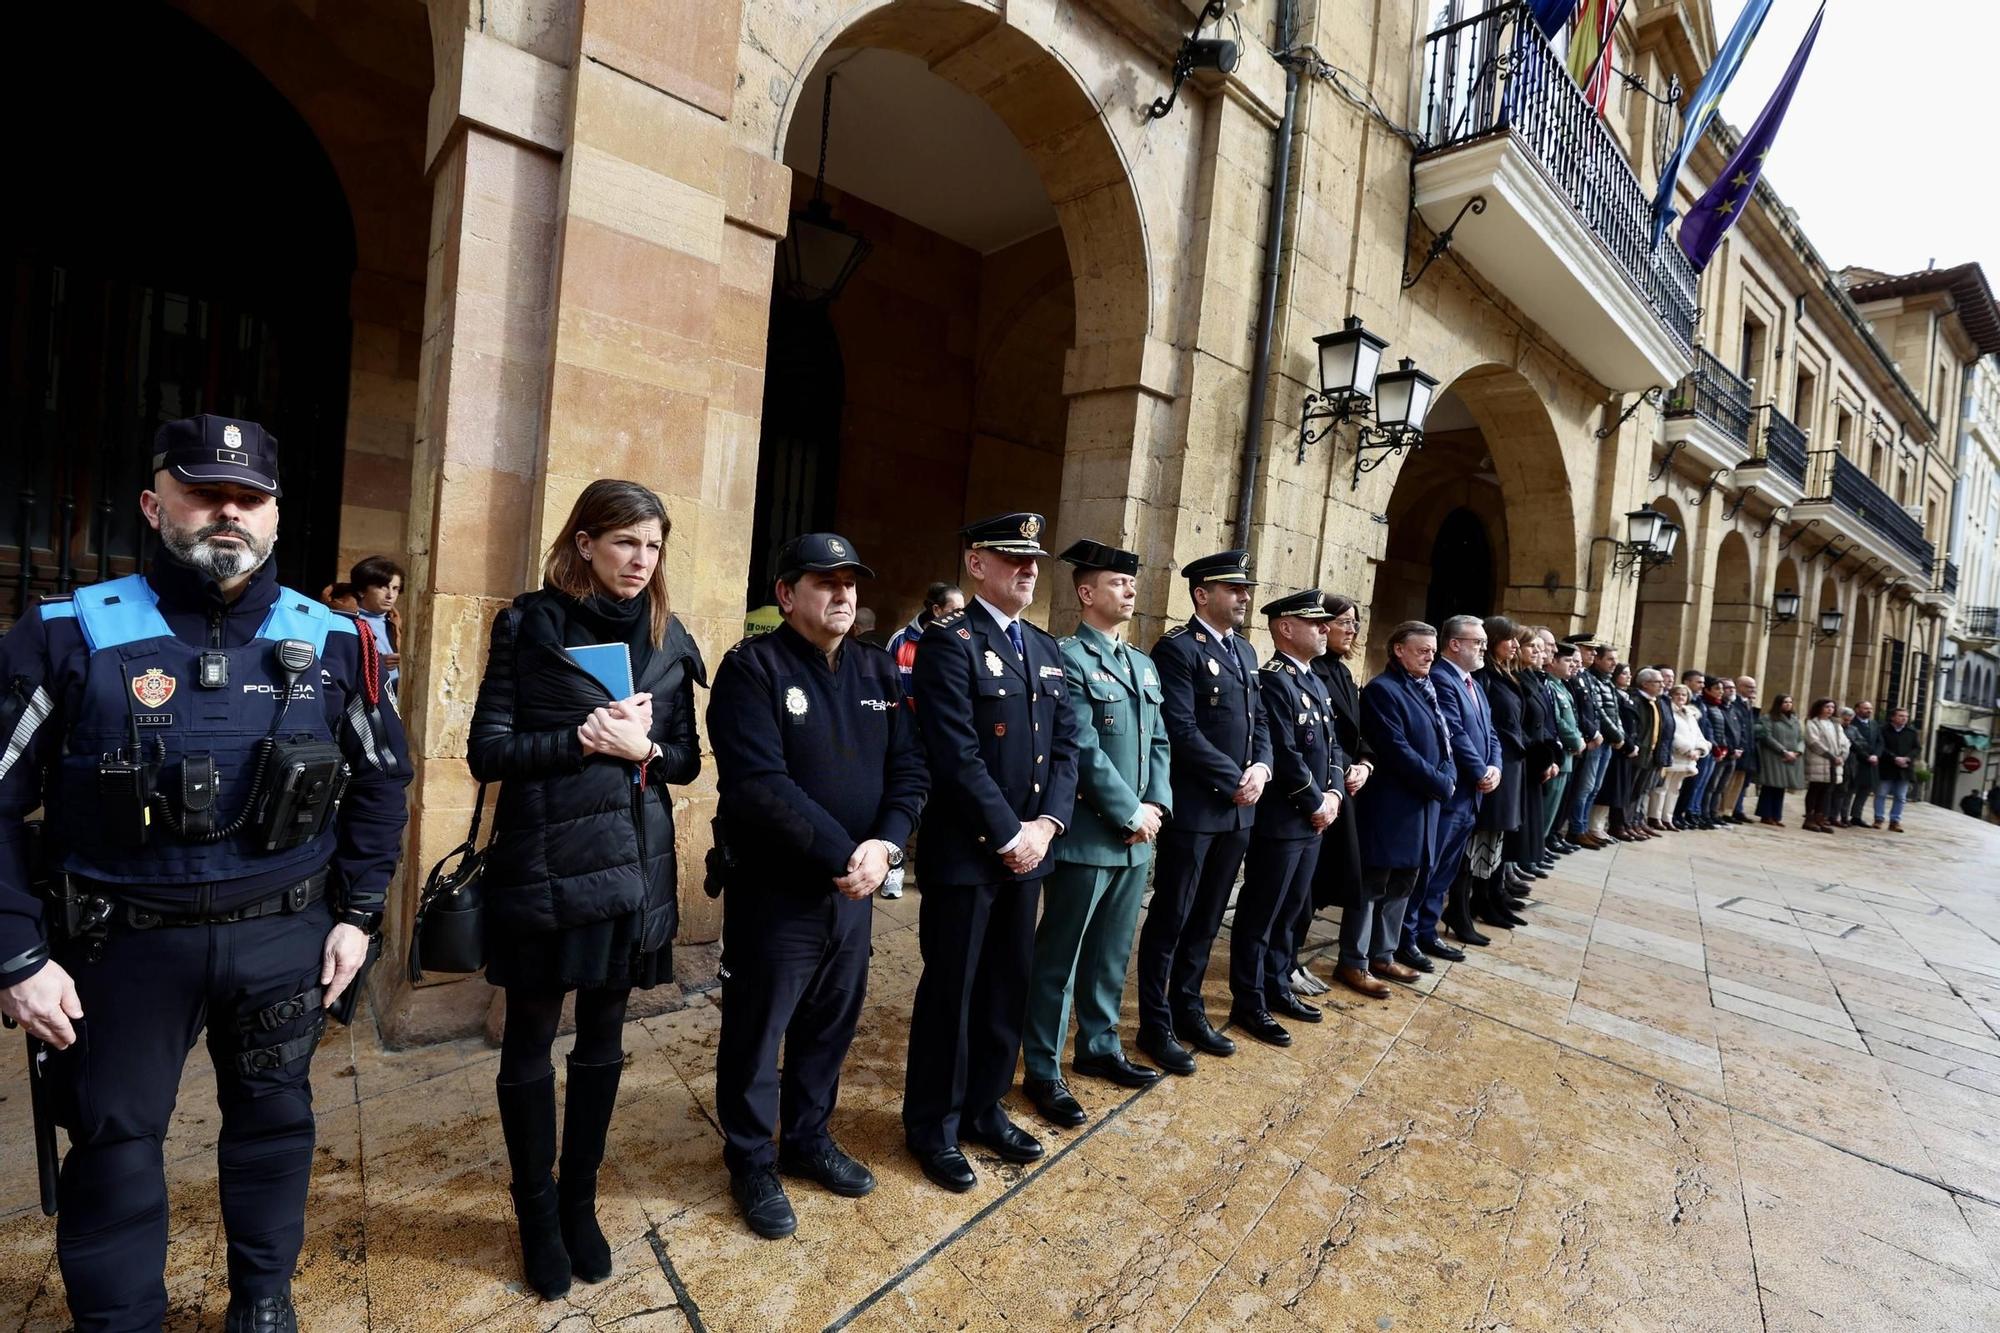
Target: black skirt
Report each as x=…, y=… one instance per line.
x=599, y=956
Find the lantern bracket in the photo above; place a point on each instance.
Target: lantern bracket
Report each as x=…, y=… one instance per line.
x=1441, y=242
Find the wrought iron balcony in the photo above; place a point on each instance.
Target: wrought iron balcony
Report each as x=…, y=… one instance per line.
x=1980, y=622
x=1560, y=222
x=1944, y=578
x=1713, y=393
x=1833, y=481
x=1782, y=446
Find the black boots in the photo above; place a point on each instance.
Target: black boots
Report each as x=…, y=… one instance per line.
x=593, y=1091
x=528, y=1119
x=1458, y=912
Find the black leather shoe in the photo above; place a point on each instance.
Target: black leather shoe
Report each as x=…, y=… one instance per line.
x=947, y=1169
x=1054, y=1102
x=766, y=1210
x=1118, y=1069
x=1259, y=1024
x=1439, y=949
x=835, y=1171
x=1013, y=1143
x=1166, y=1052
x=1198, y=1032
x=261, y=1314
x=1414, y=958
x=1535, y=871
x=1291, y=1006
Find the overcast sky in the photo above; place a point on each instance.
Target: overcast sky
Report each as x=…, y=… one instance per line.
x=1888, y=152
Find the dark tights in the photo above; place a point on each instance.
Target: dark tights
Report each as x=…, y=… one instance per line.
x=533, y=1017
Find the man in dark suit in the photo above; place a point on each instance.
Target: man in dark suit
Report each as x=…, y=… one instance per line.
x=1001, y=742
x=1475, y=754
x=1304, y=800
x=1221, y=761
x=1399, y=809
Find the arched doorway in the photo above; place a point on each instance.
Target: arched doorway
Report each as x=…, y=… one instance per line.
x=1659, y=632
x=1480, y=518
x=1733, y=627
x=187, y=247
x=1004, y=236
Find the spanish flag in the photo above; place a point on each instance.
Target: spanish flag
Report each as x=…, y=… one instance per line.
x=1590, y=49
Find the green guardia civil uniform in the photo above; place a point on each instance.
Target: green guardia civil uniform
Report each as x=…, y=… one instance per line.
x=1090, y=900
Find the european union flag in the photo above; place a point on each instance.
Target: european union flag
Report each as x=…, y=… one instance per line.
x=1701, y=110
x=1702, y=229
x=1551, y=15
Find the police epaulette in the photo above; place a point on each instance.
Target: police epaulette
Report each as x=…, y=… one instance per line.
x=1175, y=632
x=44, y=599
x=1274, y=665
x=951, y=619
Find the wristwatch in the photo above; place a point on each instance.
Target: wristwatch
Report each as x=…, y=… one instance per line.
x=368, y=923
x=895, y=854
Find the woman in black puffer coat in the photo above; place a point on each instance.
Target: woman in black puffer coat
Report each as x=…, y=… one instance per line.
x=580, y=883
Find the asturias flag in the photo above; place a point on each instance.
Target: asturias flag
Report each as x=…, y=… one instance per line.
x=1702, y=229
x=1590, y=51
x=1701, y=110
x=1550, y=15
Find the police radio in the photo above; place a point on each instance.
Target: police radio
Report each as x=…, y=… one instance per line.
x=295, y=785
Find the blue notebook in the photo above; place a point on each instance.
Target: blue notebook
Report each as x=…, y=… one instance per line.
x=609, y=664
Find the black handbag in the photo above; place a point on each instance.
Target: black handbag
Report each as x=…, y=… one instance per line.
x=450, y=934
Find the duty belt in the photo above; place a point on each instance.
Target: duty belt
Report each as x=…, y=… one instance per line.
x=292, y=898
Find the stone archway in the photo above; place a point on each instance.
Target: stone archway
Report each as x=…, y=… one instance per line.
x=1088, y=311
x=1733, y=624
x=1783, y=656
x=1860, y=635
x=1659, y=634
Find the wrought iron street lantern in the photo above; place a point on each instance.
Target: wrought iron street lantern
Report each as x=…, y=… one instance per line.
x=818, y=254
x=1352, y=384
x=1650, y=541
x=1784, y=609
x=1829, y=624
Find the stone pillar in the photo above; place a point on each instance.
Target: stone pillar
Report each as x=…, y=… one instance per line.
x=495, y=147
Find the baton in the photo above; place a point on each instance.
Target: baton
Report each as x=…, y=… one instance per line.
x=47, y=1163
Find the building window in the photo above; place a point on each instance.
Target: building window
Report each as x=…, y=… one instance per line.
x=1803, y=399
x=1751, y=359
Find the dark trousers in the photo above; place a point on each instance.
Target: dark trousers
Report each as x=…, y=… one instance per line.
x=146, y=997
x=1859, y=791
x=978, y=943
x=794, y=971
x=1277, y=887
x=1191, y=883
x=1370, y=928
x=1455, y=824
x=1770, y=801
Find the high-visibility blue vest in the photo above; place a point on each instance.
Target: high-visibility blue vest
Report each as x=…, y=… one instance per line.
x=139, y=674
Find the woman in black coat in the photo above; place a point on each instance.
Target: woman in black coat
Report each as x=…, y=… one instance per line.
x=1543, y=752
x=1337, y=880
x=580, y=882
x=1500, y=812
x=1615, y=791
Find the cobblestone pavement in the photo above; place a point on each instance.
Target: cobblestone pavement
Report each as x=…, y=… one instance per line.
x=1728, y=1080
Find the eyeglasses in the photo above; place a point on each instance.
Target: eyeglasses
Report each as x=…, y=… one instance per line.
x=1345, y=622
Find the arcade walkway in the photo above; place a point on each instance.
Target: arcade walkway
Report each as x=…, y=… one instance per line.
x=1732, y=1080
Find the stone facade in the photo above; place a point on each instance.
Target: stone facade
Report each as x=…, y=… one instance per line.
x=592, y=200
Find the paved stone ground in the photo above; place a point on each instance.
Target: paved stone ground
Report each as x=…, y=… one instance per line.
x=1728, y=1080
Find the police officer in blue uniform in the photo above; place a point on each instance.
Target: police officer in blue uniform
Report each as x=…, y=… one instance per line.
x=224, y=796
x=1001, y=742
x=820, y=783
x=1308, y=773
x=1221, y=761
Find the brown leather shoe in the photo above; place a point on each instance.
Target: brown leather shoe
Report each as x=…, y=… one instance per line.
x=1394, y=971
x=1355, y=979
x=1895, y=827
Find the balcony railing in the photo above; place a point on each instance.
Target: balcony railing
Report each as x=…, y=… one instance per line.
x=1494, y=73
x=1944, y=577
x=1831, y=479
x=1981, y=622
x=1713, y=393
x=1781, y=445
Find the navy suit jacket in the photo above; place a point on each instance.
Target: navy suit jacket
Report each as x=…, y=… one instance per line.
x=1475, y=746
x=1398, y=809
x=1215, y=725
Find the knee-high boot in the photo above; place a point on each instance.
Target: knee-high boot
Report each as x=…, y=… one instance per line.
x=528, y=1120
x=1458, y=911
x=593, y=1091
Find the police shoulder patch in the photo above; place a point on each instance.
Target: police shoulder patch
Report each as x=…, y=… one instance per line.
x=1274, y=665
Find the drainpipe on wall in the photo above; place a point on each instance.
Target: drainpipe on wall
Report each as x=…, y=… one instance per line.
x=1254, y=416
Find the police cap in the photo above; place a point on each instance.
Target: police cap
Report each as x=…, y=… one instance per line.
x=1010, y=534
x=1307, y=605
x=1222, y=567
x=211, y=448
x=818, y=553
x=1087, y=554
x=1584, y=639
